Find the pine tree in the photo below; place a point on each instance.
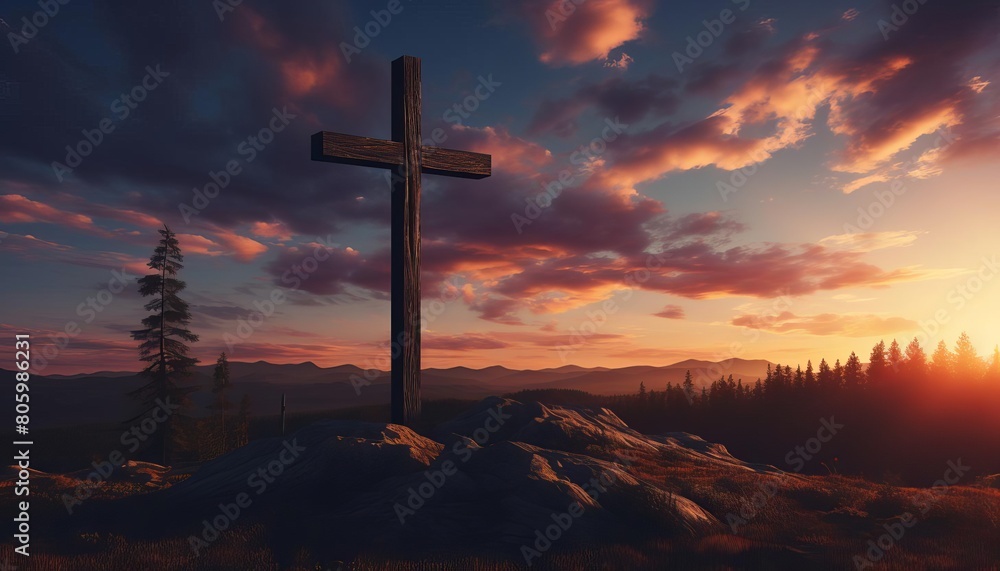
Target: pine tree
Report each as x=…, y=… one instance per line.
x=810, y=378
x=968, y=365
x=878, y=367
x=915, y=366
x=854, y=374
x=942, y=363
x=642, y=391
x=895, y=358
x=689, y=387
x=163, y=344
x=220, y=386
x=838, y=374
x=825, y=378
x=773, y=381
x=993, y=373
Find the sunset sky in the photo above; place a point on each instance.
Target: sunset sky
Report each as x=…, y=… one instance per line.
x=736, y=180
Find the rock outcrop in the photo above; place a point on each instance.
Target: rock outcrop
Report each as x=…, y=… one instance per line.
x=494, y=477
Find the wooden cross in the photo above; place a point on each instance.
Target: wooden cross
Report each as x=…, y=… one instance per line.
x=410, y=157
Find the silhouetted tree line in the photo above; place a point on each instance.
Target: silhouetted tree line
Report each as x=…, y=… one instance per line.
x=905, y=414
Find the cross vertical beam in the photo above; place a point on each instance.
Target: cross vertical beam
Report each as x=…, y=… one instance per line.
x=408, y=158
x=405, y=328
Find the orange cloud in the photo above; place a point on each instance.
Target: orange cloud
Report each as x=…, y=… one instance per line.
x=304, y=70
x=869, y=241
x=242, y=248
x=30, y=248
x=199, y=245
x=671, y=312
x=15, y=208
x=511, y=154
x=464, y=342
x=775, y=109
x=873, y=148
x=271, y=230
x=851, y=325
x=580, y=32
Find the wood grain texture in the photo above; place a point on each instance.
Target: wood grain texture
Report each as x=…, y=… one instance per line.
x=354, y=150
x=461, y=164
x=406, y=107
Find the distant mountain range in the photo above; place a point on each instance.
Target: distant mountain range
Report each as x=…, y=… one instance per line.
x=67, y=400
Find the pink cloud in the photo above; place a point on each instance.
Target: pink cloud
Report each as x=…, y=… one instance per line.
x=18, y=209
x=671, y=312
x=198, y=245
x=851, y=325
x=464, y=342
x=242, y=248
x=880, y=106
x=127, y=215
x=275, y=230
x=304, y=69
x=71, y=211
x=510, y=154
x=579, y=32
x=29, y=247
x=229, y=243
x=695, y=269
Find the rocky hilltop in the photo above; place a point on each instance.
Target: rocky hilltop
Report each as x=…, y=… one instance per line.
x=496, y=477
x=504, y=484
